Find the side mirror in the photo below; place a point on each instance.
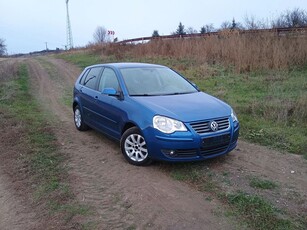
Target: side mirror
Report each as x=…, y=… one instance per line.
x=113, y=92
x=109, y=91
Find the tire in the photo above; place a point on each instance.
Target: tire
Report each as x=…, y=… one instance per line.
x=78, y=119
x=133, y=147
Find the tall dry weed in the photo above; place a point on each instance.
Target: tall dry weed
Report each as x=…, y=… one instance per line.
x=244, y=52
x=8, y=69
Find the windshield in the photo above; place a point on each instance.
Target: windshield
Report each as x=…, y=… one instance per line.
x=152, y=81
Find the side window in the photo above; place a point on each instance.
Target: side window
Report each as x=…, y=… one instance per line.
x=83, y=77
x=108, y=80
x=91, y=78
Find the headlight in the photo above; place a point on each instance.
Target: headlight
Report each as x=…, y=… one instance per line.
x=234, y=116
x=168, y=125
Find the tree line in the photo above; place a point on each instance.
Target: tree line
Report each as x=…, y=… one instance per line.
x=288, y=19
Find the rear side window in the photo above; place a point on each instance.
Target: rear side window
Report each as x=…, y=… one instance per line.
x=90, y=77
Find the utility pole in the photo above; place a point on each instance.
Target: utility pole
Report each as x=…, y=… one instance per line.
x=68, y=29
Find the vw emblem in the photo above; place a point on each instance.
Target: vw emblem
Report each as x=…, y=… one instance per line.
x=214, y=126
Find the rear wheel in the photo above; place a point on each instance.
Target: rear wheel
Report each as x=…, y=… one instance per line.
x=133, y=147
x=78, y=119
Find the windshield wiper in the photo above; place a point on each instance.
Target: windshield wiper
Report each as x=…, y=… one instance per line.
x=141, y=95
x=177, y=93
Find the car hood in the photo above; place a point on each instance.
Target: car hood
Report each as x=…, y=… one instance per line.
x=186, y=107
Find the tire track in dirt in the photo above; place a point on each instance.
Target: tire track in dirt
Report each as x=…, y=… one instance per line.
x=13, y=206
x=120, y=194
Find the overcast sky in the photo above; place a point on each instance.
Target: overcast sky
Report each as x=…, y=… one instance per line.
x=26, y=25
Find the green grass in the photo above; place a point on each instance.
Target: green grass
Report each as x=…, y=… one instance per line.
x=70, y=210
x=67, y=96
x=47, y=170
x=262, y=184
x=259, y=213
x=81, y=59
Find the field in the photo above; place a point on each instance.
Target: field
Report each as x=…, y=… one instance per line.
x=73, y=180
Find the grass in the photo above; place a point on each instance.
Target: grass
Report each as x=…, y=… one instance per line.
x=259, y=213
x=262, y=184
x=271, y=105
x=81, y=59
x=47, y=171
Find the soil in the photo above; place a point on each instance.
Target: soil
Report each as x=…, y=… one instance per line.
x=122, y=196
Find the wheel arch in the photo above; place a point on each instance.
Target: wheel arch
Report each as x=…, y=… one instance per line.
x=127, y=126
x=74, y=104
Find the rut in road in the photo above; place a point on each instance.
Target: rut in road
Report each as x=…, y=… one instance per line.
x=120, y=194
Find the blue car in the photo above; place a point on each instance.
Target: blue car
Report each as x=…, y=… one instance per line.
x=154, y=112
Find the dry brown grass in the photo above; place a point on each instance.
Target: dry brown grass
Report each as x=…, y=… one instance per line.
x=243, y=52
x=7, y=69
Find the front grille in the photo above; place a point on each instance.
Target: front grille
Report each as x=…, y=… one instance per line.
x=214, y=145
x=186, y=152
x=208, y=152
x=204, y=126
x=181, y=153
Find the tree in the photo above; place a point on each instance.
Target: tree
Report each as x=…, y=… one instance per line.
x=236, y=25
x=250, y=23
x=2, y=47
x=226, y=25
x=155, y=33
x=293, y=18
x=180, y=30
x=207, y=28
x=191, y=30
x=100, y=35
x=233, y=25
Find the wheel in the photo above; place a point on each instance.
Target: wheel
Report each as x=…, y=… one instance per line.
x=78, y=119
x=133, y=147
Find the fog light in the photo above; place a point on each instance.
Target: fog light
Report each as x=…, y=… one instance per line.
x=169, y=152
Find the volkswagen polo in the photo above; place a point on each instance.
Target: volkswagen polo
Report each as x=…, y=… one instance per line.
x=154, y=112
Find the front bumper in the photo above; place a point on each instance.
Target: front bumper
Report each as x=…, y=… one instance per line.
x=190, y=146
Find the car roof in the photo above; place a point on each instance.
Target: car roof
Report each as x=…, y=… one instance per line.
x=121, y=65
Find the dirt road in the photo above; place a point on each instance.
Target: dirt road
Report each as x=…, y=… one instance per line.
x=123, y=196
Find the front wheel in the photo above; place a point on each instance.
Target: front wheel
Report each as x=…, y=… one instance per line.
x=133, y=147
